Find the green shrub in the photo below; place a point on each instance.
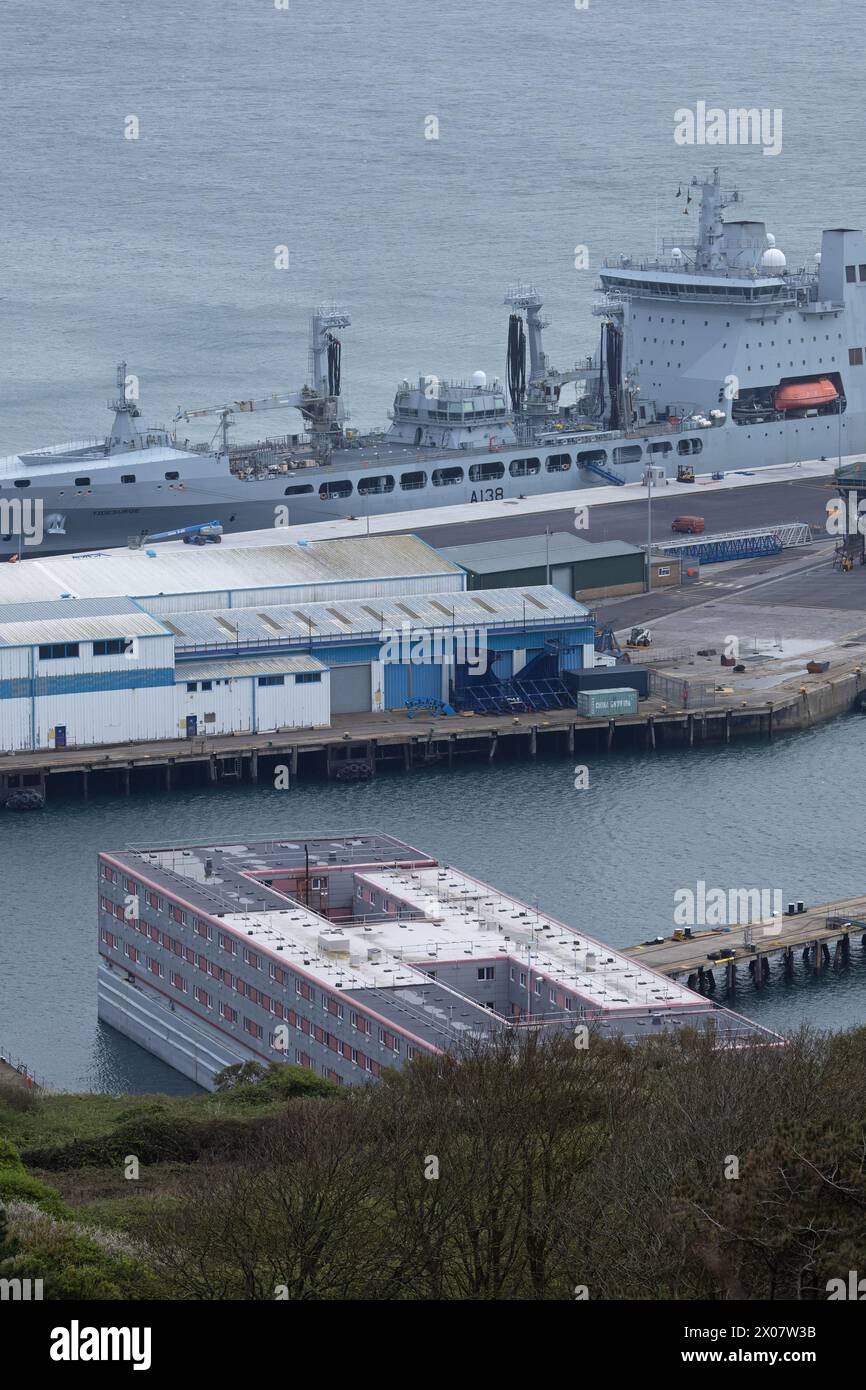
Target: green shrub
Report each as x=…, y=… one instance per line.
x=10, y=1158
x=73, y=1266
x=278, y=1082
x=22, y=1187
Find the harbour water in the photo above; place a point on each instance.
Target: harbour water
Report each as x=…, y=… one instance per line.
x=607, y=858
x=304, y=126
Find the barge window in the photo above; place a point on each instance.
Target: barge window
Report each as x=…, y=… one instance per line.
x=484, y=472
x=410, y=480
x=82, y=482
x=127, y=477
x=22, y=482
x=524, y=468
x=863, y=272
x=382, y=483
x=446, y=477
x=343, y=488
x=850, y=274
x=855, y=357
x=558, y=463
x=58, y=651
x=172, y=477
x=298, y=489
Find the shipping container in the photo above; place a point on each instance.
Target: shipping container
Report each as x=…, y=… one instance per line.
x=598, y=704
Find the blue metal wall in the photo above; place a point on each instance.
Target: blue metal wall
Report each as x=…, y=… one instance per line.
x=426, y=683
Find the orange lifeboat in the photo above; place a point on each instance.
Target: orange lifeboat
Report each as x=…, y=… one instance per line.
x=805, y=393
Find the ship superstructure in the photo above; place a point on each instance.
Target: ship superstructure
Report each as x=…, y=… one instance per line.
x=713, y=353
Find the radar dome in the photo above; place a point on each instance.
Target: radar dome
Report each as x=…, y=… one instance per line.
x=773, y=259
x=676, y=254
x=479, y=378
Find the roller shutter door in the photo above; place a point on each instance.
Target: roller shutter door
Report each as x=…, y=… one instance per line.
x=351, y=689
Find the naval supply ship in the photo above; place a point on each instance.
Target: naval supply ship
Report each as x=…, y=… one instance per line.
x=713, y=355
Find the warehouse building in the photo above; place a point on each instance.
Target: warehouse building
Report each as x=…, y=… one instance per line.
x=257, y=695
x=176, y=580
x=351, y=954
x=382, y=653
x=578, y=567
x=84, y=672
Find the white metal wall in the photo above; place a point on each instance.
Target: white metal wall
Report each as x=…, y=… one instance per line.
x=232, y=703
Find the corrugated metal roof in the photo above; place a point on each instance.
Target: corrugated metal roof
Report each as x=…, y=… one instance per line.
x=527, y=552
x=248, y=666
x=533, y=605
x=79, y=628
x=194, y=569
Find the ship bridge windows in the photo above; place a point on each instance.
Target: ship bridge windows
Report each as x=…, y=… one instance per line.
x=382, y=482
x=558, y=463
x=524, y=468
x=485, y=472
x=340, y=487
x=413, y=480
x=689, y=446
x=447, y=477
x=297, y=489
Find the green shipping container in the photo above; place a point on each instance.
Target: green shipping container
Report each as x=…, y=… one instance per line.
x=605, y=704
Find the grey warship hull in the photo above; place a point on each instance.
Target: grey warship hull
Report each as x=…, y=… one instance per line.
x=713, y=356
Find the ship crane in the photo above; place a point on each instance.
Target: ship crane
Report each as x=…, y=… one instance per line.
x=534, y=399
x=320, y=404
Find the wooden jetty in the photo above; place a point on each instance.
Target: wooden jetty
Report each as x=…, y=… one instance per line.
x=821, y=935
